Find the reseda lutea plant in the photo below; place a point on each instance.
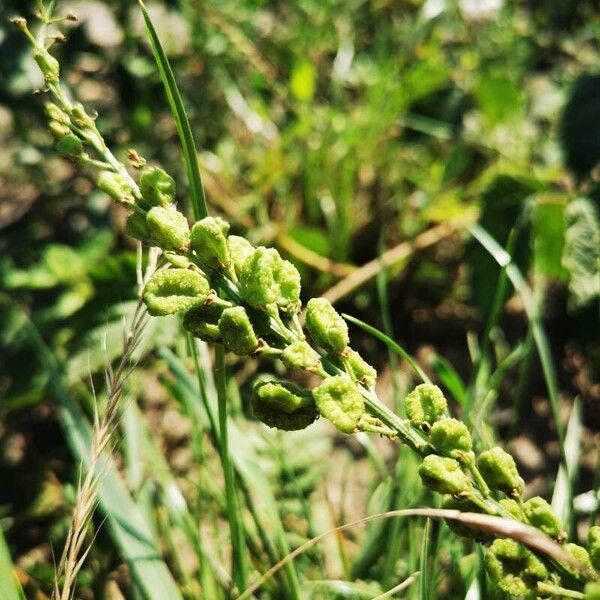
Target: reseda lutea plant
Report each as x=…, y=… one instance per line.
x=248, y=299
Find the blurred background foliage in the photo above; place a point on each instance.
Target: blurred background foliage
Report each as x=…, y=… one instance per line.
x=333, y=131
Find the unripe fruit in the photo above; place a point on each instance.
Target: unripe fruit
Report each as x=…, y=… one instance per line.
x=168, y=228
x=425, y=405
x=325, y=326
x=499, y=471
x=175, y=290
x=237, y=331
x=443, y=475
x=339, y=400
x=283, y=405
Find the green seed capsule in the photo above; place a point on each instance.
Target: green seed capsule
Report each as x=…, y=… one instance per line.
x=300, y=355
x=514, y=569
x=288, y=279
x=540, y=514
x=594, y=546
x=175, y=290
x=58, y=130
x=209, y=241
x=325, y=326
x=359, y=369
x=69, y=145
x=137, y=228
x=339, y=400
x=55, y=113
x=239, y=250
x=203, y=321
x=499, y=471
x=116, y=186
x=451, y=438
x=267, y=281
x=80, y=117
x=283, y=405
x=177, y=260
x=48, y=65
x=237, y=331
x=168, y=227
x=157, y=187
x=425, y=405
x=580, y=554
x=512, y=507
x=443, y=475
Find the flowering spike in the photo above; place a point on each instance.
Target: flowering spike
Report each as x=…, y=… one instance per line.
x=425, y=405
x=283, y=405
x=168, y=227
x=443, y=475
x=175, y=290
x=325, y=326
x=237, y=331
x=339, y=400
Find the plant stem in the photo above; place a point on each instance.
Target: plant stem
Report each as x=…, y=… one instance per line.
x=555, y=590
x=240, y=568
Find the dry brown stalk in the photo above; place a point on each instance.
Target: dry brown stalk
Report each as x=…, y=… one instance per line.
x=74, y=553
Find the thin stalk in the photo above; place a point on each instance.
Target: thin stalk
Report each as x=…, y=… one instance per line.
x=240, y=568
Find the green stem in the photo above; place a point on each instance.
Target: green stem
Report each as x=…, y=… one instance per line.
x=555, y=590
x=240, y=568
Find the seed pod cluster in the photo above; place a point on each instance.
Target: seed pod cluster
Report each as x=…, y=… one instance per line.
x=514, y=568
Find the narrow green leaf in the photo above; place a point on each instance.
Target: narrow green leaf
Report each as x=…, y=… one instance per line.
x=184, y=130
x=391, y=344
x=563, y=488
x=9, y=586
x=503, y=258
x=449, y=378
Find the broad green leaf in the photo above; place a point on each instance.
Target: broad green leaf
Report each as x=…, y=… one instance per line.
x=581, y=254
x=549, y=235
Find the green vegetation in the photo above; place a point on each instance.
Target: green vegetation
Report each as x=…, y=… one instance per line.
x=442, y=131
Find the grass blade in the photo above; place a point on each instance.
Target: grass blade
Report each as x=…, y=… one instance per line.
x=197, y=196
x=563, y=488
x=504, y=259
x=236, y=525
x=391, y=344
x=9, y=586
